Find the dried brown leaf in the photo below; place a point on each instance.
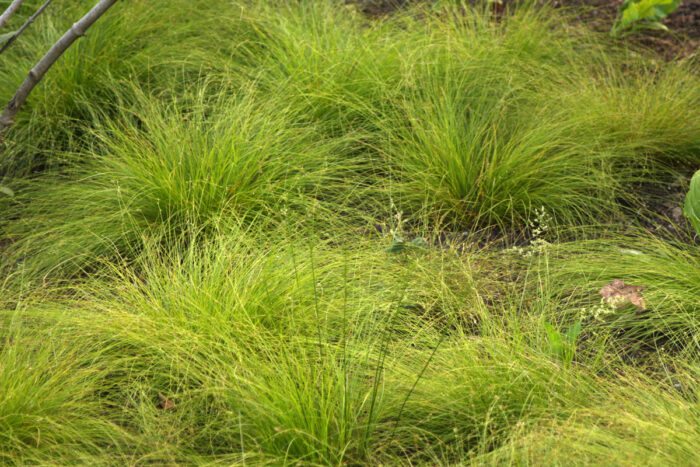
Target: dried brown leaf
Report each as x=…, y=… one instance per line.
x=617, y=294
x=165, y=403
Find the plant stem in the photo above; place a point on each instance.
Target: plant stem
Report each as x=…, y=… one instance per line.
x=24, y=26
x=7, y=14
x=37, y=73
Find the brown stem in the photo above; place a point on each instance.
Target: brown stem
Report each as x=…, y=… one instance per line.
x=24, y=26
x=7, y=14
x=37, y=73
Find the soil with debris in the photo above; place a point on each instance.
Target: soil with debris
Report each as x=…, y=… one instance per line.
x=662, y=205
x=681, y=41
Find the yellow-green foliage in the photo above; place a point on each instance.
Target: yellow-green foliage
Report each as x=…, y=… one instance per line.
x=279, y=232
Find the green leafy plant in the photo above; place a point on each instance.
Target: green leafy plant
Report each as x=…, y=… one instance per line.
x=692, y=202
x=642, y=14
x=399, y=244
x=563, y=345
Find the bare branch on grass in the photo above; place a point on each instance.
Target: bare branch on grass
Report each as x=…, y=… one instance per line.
x=7, y=14
x=37, y=73
x=24, y=26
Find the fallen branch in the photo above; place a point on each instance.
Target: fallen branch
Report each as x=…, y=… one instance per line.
x=24, y=26
x=7, y=14
x=37, y=73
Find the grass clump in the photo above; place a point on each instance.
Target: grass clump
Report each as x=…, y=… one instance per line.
x=489, y=108
x=628, y=425
x=160, y=45
x=48, y=408
x=166, y=169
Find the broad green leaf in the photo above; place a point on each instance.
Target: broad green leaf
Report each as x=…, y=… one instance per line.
x=692, y=202
x=643, y=14
x=630, y=15
x=572, y=333
x=7, y=191
x=420, y=241
x=396, y=246
x=664, y=9
x=554, y=338
x=656, y=9
x=654, y=25
x=645, y=9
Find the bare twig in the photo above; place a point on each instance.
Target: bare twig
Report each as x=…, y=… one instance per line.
x=24, y=26
x=37, y=73
x=7, y=14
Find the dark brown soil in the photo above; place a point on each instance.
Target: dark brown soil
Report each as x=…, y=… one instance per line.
x=660, y=210
x=684, y=24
